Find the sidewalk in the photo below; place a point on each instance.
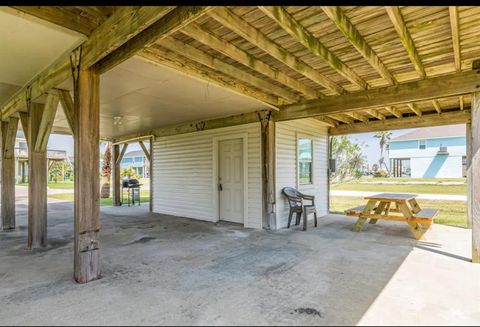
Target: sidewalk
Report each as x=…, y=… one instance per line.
x=451, y=197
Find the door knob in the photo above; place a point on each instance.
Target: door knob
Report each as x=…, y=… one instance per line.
x=220, y=187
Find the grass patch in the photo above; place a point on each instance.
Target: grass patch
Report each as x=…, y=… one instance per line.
x=453, y=213
x=411, y=179
x=403, y=188
x=144, y=198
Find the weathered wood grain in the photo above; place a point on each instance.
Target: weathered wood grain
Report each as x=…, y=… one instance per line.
x=474, y=176
x=9, y=132
x=87, y=184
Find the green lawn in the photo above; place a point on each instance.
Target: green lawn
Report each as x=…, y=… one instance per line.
x=452, y=213
x=144, y=197
x=403, y=188
x=59, y=185
x=410, y=179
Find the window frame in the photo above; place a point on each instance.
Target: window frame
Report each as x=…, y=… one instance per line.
x=419, y=144
x=300, y=136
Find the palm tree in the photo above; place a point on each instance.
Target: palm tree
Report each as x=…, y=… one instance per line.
x=384, y=137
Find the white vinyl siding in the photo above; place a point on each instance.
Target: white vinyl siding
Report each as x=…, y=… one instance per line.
x=183, y=168
x=286, y=164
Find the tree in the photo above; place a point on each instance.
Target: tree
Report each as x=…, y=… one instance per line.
x=129, y=172
x=383, y=138
x=348, y=158
x=55, y=171
x=106, y=171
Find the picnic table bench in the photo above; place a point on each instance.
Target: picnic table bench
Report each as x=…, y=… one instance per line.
x=394, y=206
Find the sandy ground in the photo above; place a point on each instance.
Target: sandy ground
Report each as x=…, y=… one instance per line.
x=159, y=269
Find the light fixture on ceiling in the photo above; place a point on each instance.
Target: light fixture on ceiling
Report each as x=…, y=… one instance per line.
x=117, y=120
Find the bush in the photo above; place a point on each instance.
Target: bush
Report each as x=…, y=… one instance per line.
x=380, y=173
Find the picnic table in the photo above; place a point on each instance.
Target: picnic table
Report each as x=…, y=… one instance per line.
x=394, y=206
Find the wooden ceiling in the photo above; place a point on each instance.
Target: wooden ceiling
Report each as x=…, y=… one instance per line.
x=289, y=55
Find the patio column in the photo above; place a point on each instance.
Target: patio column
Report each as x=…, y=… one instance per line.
x=469, y=171
x=39, y=121
x=9, y=133
x=87, y=177
x=268, y=170
x=474, y=177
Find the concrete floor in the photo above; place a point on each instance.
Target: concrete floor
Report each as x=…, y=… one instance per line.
x=166, y=270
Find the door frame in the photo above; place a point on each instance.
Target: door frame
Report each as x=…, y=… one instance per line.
x=216, y=192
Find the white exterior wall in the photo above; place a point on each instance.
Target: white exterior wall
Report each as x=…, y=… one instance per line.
x=451, y=168
x=286, y=164
x=184, y=178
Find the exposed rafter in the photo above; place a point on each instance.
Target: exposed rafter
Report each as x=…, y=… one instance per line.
x=225, y=68
x=445, y=118
x=406, y=39
x=201, y=34
x=394, y=111
x=413, y=107
x=439, y=87
x=461, y=102
x=342, y=22
x=302, y=35
x=343, y=118
x=241, y=27
x=453, y=11
x=357, y=116
x=169, y=24
x=375, y=113
x=327, y=120
x=436, y=105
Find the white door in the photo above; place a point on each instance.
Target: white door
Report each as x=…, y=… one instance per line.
x=230, y=180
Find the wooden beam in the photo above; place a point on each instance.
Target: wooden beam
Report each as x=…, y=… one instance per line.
x=87, y=183
x=327, y=120
x=24, y=123
x=215, y=42
x=302, y=35
x=453, y=11
x=342, y=22
x=47, y=118
x=470, y=198
x=428, y=89
x=61, y=17
x=394, y=111
x=434, y=119
x=150, y=176
x=167, y=25
x=145, y=150
x=406, y=39
x=474, y=181
x=9, y=133
x=413, y=107
x=268, y=174
x=122, y=153
x=227, y=69
x=124, y=24
x=436, y=105
x=357, y=116
x=188, y=67
x=235, y=23
x=116, y=175
x=461, y=102
x=375, y=113
x=68, y=108
x=343, y=118
x=37, y=177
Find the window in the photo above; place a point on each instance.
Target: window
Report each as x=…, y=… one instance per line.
x=422, y=144
x=305, y=161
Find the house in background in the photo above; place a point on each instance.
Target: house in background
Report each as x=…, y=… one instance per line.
x=21, y=158
x=432, y=152
x=137, y=160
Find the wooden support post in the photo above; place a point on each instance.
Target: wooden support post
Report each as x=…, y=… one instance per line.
x=474, y=178
x=469, y=173
x=150, y=174
x=87, y=183
x=9, y=133
x=268, y=170
x=116, y=175
x=37, y=183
